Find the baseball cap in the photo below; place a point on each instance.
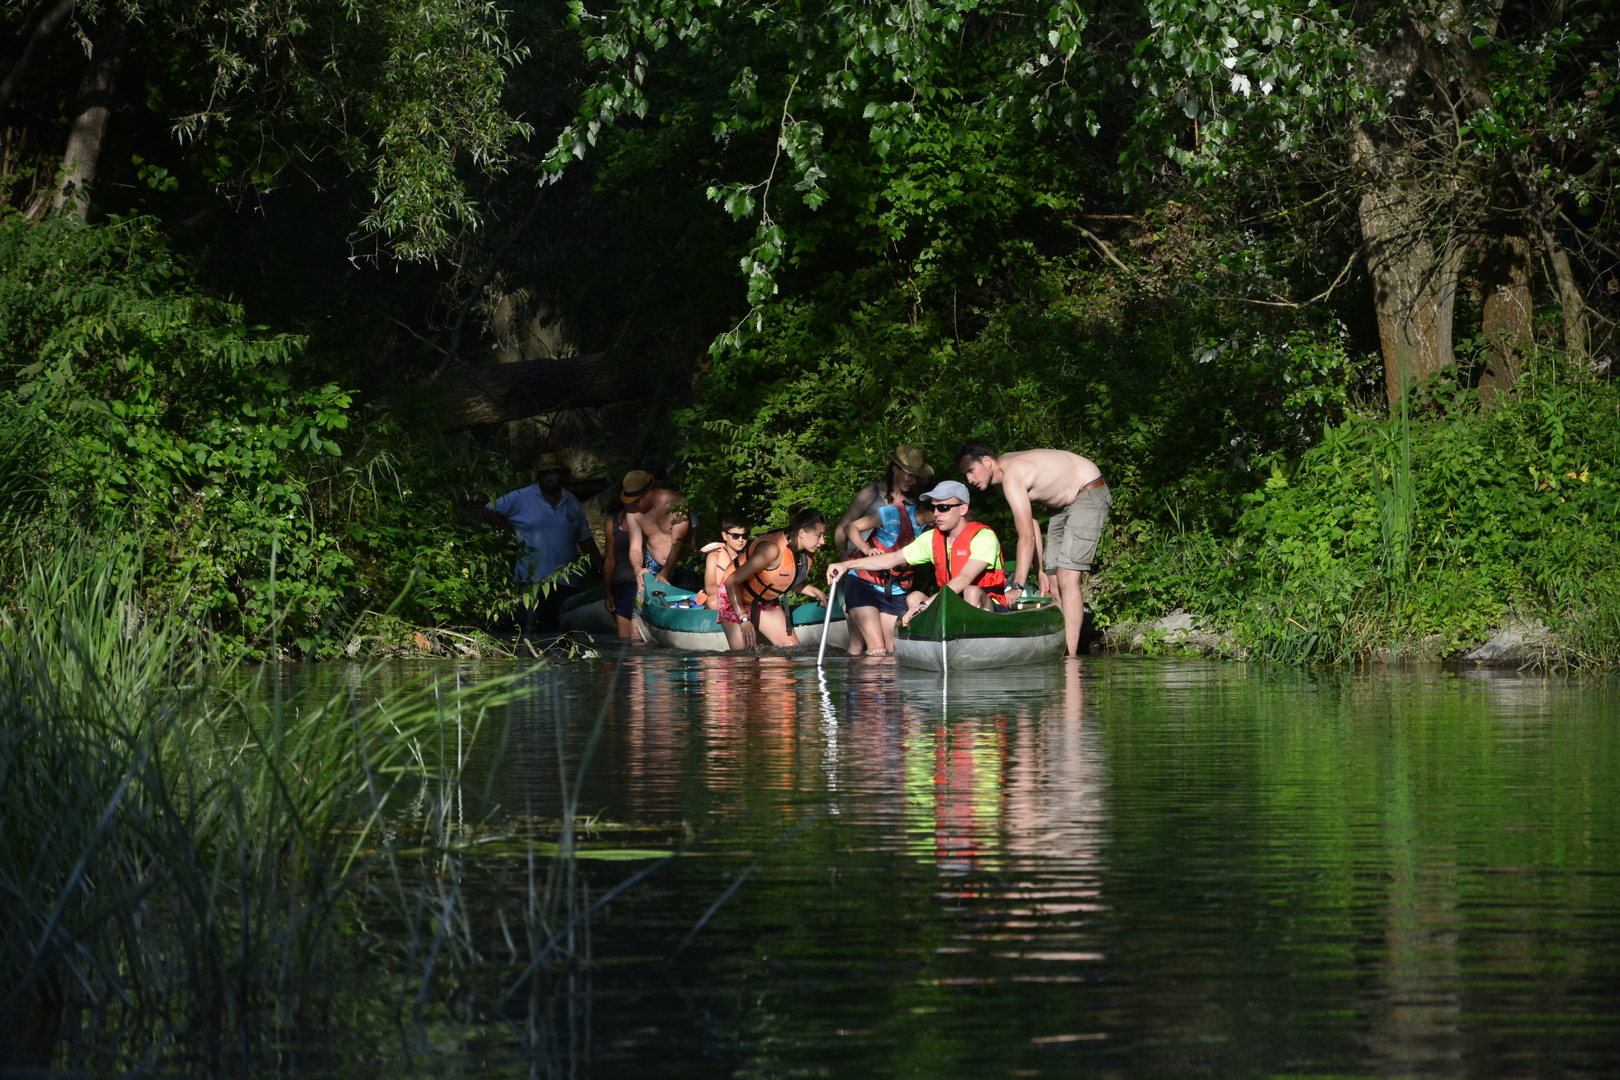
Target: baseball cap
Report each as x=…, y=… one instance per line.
x=946, y=491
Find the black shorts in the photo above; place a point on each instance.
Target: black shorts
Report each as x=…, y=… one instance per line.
x=624, y=598
x=859, y=593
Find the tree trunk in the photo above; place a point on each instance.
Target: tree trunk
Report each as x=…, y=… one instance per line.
x=526, y=388
x=1414, y=288
x=1544, y=211
x=1414, y=282
x=52, y=18
x=1569, y=294
x=1505, y=275
x=91, y=112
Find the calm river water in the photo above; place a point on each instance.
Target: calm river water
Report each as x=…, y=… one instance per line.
x=1120, y=867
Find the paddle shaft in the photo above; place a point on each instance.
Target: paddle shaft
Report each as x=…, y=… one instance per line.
x=826, y=621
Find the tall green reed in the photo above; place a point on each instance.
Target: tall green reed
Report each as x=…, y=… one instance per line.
x=1397, y=496
x=194, y=859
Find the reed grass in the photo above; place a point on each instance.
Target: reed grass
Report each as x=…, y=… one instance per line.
x=231, y=870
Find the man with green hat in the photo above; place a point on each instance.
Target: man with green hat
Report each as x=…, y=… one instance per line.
x=551, y=525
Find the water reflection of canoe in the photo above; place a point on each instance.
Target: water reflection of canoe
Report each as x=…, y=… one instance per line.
x=586, y=614
x=975, y=638
x=699, y=627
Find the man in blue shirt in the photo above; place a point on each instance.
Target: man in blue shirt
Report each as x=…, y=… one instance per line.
x=551, y=525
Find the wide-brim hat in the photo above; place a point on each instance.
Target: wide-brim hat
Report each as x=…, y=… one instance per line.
x=551, y=462
x=911, y=459
x=637, y=482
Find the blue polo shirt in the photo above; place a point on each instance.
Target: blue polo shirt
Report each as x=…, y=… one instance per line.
x=551, y=534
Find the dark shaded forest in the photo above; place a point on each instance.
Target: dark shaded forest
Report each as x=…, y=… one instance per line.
x=1328, y=292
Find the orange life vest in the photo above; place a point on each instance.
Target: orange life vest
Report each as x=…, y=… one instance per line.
x=773, y=582
x=990, y=579
x=900, y=575
x=727, y=563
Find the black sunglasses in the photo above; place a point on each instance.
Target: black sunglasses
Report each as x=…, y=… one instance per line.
x=738, y=535
x=940, y=508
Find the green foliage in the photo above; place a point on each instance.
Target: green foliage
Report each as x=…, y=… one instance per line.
x=137, y=398
x=194, y=856
x=1174, y=396
x=834, y=96
x=1412, y=536
x=405, y=94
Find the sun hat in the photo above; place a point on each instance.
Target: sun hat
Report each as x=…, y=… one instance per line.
x=637, y=483
x=910, y=458
x=551, y=462
x=950, y=489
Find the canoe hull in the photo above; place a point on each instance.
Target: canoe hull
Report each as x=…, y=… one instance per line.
x=698, y=629
x=970, y=654
x=952, y=633
x=586, y=614
x=715, y=640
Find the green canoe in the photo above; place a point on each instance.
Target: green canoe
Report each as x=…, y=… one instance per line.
x=953, y=632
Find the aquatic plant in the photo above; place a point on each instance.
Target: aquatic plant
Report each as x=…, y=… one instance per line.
x=196, y=860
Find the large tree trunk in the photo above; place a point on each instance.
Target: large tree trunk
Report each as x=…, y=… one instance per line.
x=493, y=395
x=1414, y=279
x=91, y=113
x=1414, y=287
x=1505, y=276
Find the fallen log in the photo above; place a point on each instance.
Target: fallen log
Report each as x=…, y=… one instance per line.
x=492, y=395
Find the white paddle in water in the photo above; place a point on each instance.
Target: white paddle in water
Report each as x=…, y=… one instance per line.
x=826, y=621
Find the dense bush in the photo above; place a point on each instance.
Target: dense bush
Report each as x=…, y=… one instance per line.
x=1413, y=534
x=132, y=395
x=1176, y=395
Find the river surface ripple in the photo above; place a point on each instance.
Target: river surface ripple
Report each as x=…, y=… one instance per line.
x=1116, y=867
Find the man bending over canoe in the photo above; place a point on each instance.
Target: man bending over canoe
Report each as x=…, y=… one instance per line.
x=1073, y=487
x=965, y=554
x=660, y=524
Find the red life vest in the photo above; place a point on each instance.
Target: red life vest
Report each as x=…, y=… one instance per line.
x=901, y=575
x=990, y=579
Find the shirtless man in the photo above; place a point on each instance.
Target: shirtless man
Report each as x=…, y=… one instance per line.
x=1073, y=487
x=659, y=524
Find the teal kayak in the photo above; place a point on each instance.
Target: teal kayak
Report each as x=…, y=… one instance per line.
x=674, y=618
x=952, y=632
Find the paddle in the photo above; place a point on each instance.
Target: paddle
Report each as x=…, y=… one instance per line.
x=826, y=621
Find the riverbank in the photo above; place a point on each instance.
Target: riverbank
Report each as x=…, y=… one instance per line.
x=1519, y=644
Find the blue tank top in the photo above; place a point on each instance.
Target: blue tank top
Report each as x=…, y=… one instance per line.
x=888, y=531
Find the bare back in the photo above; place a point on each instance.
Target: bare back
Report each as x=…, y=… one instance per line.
x=1050, y=477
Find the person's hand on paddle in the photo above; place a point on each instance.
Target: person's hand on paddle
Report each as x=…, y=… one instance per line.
x=836, y=571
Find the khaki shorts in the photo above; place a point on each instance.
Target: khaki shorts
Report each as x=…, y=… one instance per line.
x=1073, y=532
